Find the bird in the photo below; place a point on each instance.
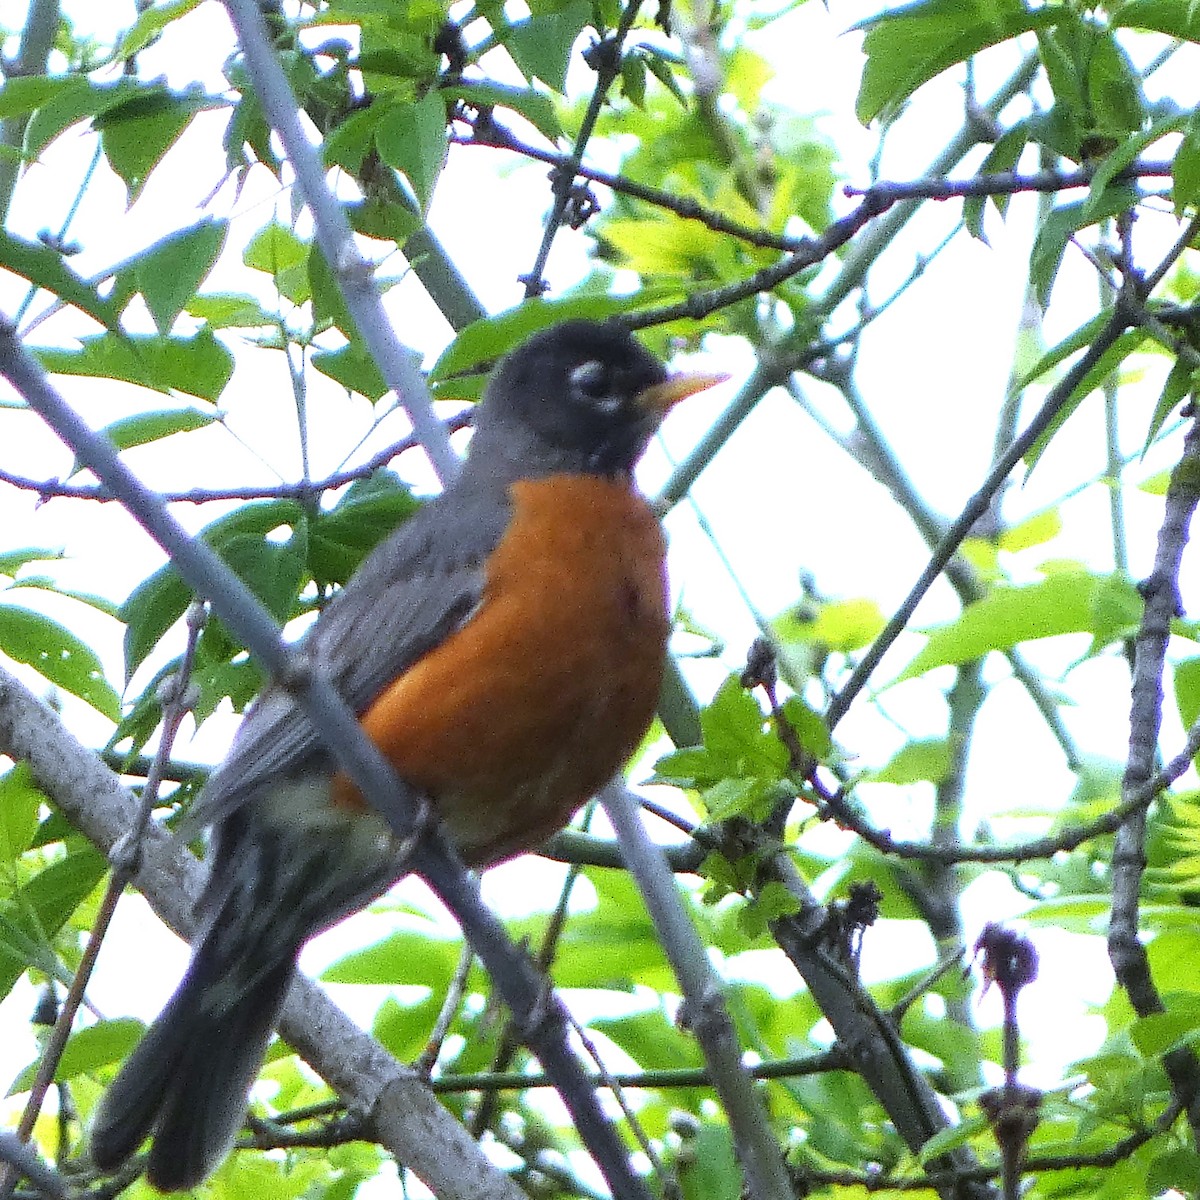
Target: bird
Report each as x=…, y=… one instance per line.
x=504, y=649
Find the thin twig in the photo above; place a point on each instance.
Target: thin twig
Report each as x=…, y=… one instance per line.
x=975, y=508
x=493, y=134
x=53, y=489
x=605, y=56
x=1137, y=800
x=1002, y=183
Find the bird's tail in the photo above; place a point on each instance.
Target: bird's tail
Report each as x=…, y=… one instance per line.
x=283, y=868
x=188, y=1079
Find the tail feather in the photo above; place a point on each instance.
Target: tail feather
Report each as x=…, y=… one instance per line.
x=282, y=868
x=188, y=1079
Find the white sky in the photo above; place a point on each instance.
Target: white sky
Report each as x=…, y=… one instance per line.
x=933, y=370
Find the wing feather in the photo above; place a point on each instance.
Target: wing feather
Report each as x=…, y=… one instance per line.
x=412, y=591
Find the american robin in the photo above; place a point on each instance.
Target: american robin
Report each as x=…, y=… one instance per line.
x=504, y=648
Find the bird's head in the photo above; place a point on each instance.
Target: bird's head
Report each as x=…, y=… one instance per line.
x=580, y=396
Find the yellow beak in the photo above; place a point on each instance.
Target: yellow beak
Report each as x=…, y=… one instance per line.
x=660, y=398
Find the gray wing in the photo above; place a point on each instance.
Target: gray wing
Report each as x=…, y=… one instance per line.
x=414, y=589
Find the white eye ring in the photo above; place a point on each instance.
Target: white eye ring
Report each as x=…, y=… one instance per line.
x=589, y=379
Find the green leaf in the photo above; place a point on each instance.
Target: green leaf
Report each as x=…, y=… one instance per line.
x=1064, y=63
x=1181, y=381
x=20, y=804
x=1156, y=484
x=197, y=366
x=809, y=726
x=143, y=428
x=710, y=1170
x=1108, y=362
x=56, y=653
x=170, y=272
x=738, y=796
x=45, y=268
x=1185, y=169
x=11, y=561
x=1113, y=88
x=229, y=310
x=354, y=369
x=412, y=138
x=403, y=1029
x=1126, y=153
x=151, y=22
x=41, y=908
x=1063, y=223
x=541, y=45
x=349, y=143
x=401, y=958
x=662, y=70
x=772, y=901
x=649, y=1039
x=1036, y=530
x=23, y=94
x=736, y=736
x=1175, y=19
x=151, y=609
x=1072, y=344
x=482, y=342
x=1003, y=156
x=951, y=1138
x=909, y=46
x=1174, y=1171
x=46, y=583
x=273, y=571
x=368, y=512
x=75, y=100
x=1186, y=679
x=658, y=245
x=158, y=602
x=842, y=626
x=383, y=219
x=137, y=134
x=536, y=107
x=278, y=252
x=1158, y=1033
x=633, y=78
x=328, y=302
x=1006, y=616
x=585, y=957
x=917, y=762
x=746, y=74
x=87, y=1050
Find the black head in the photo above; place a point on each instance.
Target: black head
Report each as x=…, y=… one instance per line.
x=579, y=396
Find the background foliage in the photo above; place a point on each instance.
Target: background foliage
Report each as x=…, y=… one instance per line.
x=1005, y=759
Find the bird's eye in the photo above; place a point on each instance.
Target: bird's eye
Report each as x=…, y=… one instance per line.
x=590, y=379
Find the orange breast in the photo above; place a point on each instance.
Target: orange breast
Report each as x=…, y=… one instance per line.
x=517, y=718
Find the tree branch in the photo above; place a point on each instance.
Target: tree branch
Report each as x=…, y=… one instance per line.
x=408, y=1120
x=975, y=508
x=354, y=275
x=1161, y=592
